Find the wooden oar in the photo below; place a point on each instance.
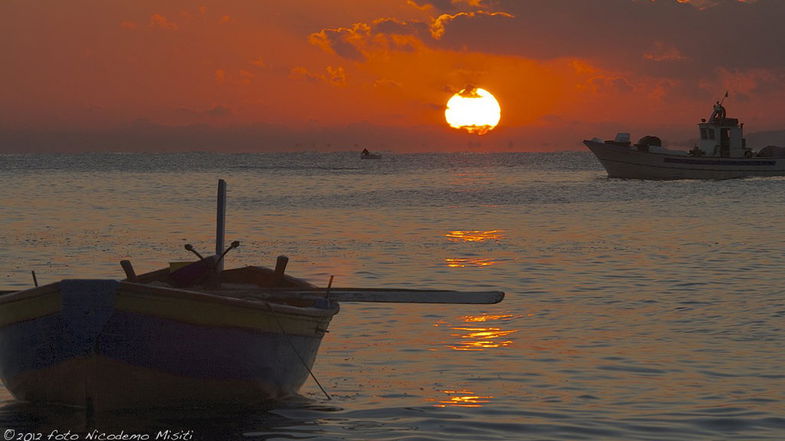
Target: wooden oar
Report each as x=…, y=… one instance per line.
x=389, y=295
x=414, y=296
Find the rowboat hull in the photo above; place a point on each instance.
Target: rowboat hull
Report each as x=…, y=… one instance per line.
x=106, y=344
x=621, y=161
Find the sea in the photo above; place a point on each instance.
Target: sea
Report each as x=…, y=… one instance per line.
x=634, y=310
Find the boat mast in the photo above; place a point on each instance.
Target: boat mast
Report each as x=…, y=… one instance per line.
x=220, y=224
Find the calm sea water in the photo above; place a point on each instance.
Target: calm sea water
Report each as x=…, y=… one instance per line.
x=635, y=310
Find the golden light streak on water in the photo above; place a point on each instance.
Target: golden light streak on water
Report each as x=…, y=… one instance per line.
x=474, y=235
x=480, y=339
x=487, y=317
x=462, y=398
x=462, y=262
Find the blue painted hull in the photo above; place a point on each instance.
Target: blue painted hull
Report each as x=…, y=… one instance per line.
x=108, y=346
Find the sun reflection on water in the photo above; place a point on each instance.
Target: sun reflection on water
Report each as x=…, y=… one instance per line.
x=462, y=262
x=461, y=398
x=479, y=339
x=474, y=235
x=487, y=317
x=473, y=337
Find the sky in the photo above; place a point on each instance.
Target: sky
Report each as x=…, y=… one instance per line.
x=263, y=75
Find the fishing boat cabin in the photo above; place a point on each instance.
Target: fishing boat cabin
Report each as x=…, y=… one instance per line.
x=721, y=136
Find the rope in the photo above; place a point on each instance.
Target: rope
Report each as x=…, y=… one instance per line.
x=299, y=357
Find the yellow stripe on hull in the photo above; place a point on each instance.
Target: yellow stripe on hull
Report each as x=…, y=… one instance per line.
x=208, y=310
x=180, y=305
x=30, y=304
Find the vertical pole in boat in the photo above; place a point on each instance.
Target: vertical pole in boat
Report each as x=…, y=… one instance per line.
x=329, y=285
x=220, y=224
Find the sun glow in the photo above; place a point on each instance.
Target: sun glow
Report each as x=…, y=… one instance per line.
x=474, y=110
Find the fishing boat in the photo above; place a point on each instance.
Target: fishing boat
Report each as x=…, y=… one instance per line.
x=188, y=334
x=365, y=154
x=721, y=153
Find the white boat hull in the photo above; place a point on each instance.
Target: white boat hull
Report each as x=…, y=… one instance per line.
x=621, y=161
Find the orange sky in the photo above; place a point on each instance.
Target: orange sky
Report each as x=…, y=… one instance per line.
x=258, y=75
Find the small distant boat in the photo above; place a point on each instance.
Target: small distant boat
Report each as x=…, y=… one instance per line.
x=365, y=154
x=188, y=334
x=721, y=153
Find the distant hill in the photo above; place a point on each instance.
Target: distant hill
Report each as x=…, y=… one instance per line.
x=758, y=140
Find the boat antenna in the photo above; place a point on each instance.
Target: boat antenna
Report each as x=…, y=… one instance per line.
x=723, y=98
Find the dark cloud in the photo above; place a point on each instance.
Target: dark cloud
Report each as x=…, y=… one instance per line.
x=688, y=39
x=441, y=5
x=637, y=35
x=399, y=27
x=630, y=34
x=686, y=47
x=343, y=41
x=441, y=22
x=450, y=6
x=354, y=42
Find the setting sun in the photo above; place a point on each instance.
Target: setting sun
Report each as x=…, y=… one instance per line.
x=474, y=110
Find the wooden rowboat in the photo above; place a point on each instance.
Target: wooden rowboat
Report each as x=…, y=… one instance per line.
x=197, y=335
x=109, y=344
